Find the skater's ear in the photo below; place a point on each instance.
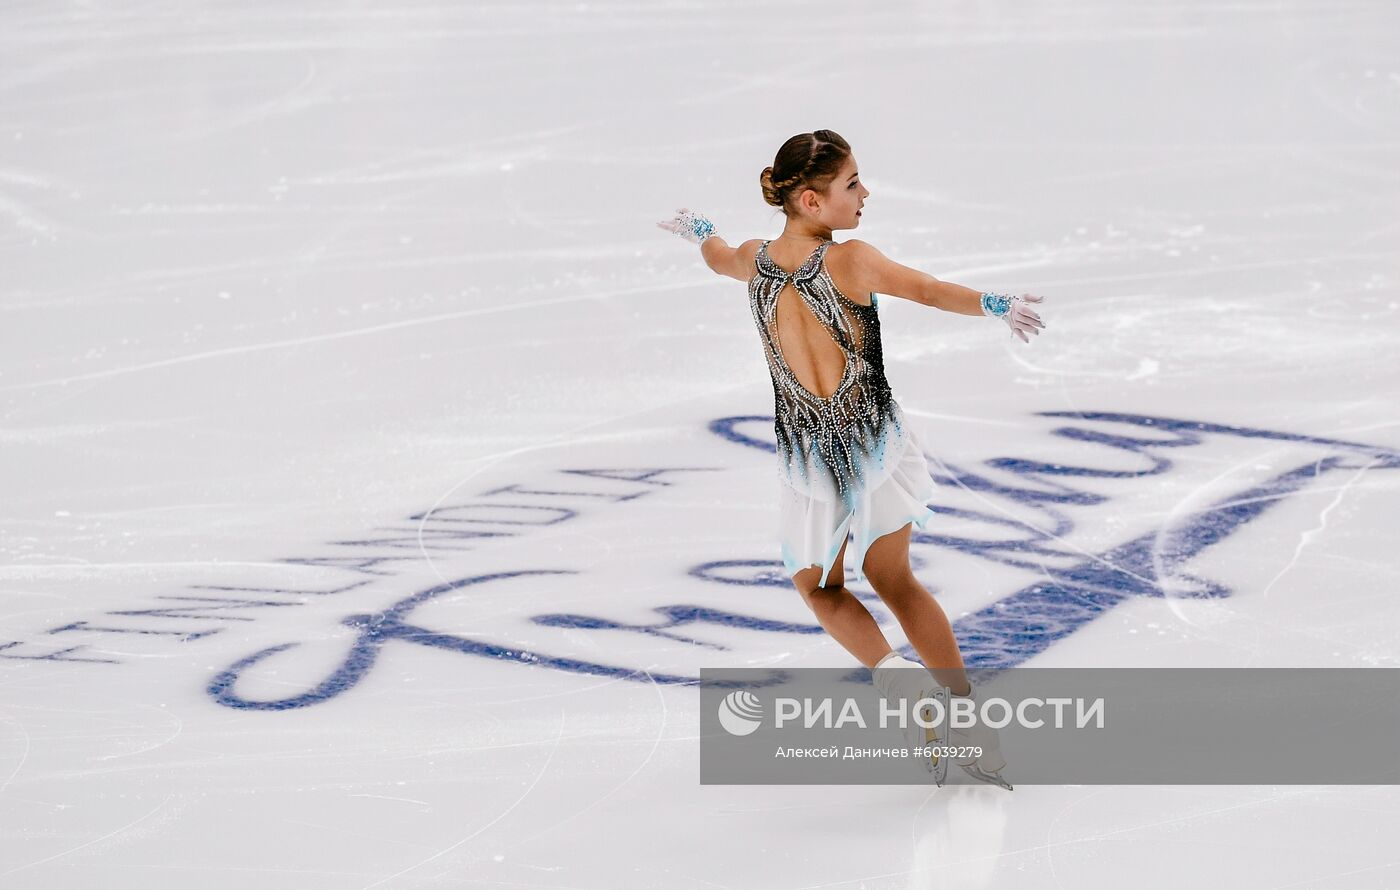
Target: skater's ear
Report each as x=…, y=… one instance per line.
x=877, y=273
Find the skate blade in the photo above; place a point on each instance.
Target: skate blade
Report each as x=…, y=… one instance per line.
x=982, y=775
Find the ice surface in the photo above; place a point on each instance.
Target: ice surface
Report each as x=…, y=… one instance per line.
x=376, y=474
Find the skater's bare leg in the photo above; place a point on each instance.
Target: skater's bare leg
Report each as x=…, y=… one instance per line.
x=919, y=614
x=841, y=614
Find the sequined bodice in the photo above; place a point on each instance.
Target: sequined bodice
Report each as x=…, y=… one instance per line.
x=829, y=447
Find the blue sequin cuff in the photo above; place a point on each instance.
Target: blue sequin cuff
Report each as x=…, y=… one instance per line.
x=995, y=305
x=702, y=227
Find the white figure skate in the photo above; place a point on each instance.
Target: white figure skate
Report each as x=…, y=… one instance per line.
x=899, y=678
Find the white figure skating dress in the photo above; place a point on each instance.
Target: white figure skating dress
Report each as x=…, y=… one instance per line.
x=849, y=464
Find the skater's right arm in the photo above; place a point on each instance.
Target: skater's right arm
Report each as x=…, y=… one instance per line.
x=876, y=272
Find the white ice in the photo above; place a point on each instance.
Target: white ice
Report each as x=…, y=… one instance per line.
x=305, y=281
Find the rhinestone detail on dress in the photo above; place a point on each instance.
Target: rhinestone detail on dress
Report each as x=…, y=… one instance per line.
x=826, y=444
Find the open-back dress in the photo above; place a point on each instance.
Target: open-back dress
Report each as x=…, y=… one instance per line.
x=850, y=466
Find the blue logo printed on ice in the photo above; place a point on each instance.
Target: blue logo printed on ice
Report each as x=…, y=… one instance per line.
x=1073, y=586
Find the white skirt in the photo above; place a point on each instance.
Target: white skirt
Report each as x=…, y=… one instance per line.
x=812, y=531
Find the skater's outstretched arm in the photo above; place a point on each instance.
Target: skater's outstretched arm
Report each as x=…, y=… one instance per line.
x=736, y=262
x=876, y=272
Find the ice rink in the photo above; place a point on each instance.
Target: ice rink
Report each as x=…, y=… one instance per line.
x=378, y=477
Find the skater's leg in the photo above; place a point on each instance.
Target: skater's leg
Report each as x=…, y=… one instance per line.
x=919, y=614
x=931, y=635
x=840, y=613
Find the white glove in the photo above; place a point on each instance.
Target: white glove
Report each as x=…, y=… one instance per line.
x=693, y=227
x=1022, y=319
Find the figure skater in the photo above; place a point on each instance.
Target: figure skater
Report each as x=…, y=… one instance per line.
x=851, y=467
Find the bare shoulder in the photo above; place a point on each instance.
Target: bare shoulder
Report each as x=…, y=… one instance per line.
x=855, y=253
x=734, y=262
x=745, y=259
x=868, y=270
x=748, y=251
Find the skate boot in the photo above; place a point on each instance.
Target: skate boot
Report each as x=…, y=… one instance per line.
x=986, y=768
x=899, y=678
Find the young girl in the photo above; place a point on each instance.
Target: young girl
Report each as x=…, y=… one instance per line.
x=850, y=463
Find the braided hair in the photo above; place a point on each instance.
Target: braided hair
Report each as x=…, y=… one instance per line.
x=807, y=160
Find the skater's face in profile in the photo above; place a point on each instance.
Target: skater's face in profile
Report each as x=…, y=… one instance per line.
x=839, y=207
